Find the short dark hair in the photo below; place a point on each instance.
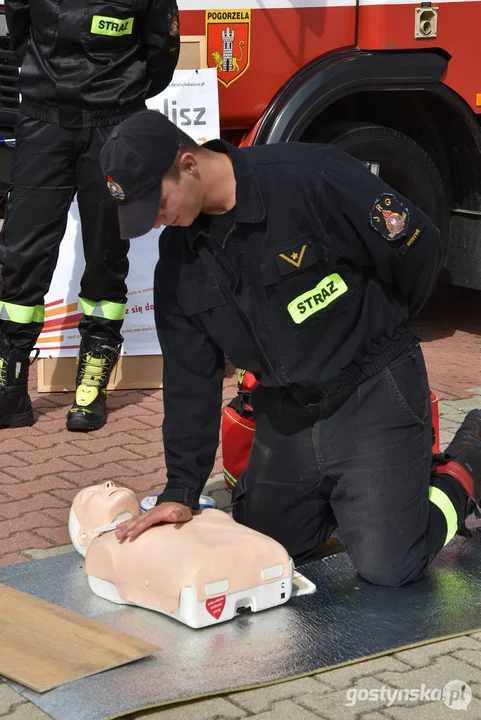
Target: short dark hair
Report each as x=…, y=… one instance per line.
x=186, y=144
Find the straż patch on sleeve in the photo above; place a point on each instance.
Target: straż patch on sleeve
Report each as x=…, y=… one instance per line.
x=389, y=217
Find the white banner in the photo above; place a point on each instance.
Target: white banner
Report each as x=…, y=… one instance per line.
x=191, y=102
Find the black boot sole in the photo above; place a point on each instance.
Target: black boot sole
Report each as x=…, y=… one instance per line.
x=76, y=424
x=17, y=420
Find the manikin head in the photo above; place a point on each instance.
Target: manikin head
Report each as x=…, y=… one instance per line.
x=96, y=506
x=160, y=176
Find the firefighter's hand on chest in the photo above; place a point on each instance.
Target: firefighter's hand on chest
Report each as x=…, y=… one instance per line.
x=169, y=512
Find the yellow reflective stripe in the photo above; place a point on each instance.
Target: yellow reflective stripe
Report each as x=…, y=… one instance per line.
x=439, y=498
x=21, y=313
x=229, y=477
x=240, y=376
x=103, y=308
x=312, y=301
x=114, y=27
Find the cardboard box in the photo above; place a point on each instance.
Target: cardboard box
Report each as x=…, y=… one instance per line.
x=193, y=53
x=141, y=372
x=135, y=372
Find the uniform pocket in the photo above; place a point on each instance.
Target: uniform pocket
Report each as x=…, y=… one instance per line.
x=200, y=295
x=407, y=381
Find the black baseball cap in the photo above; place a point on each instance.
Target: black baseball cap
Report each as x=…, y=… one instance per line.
x=134, y=160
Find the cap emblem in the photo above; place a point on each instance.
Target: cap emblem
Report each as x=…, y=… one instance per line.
x=115, y=189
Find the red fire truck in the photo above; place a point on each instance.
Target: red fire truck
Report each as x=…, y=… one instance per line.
x=392, y=82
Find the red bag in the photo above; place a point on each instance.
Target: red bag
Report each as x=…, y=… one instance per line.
x=237, y=430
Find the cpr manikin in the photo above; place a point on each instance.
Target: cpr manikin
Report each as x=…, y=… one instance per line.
x=201, y=572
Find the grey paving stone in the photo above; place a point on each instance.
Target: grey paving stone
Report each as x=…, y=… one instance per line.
x=441, y=670
x=454, y=418
x=424, y=655
x=436, y=710
x=415, y=701
x=26, y=711
x=288, y=710
x=464, y=405
x=215, y=482
x=348, y=676
x=223, y=498
x=51, y=552
x=368, y=696
x=434, y=677
x=262, y=699
x=476, y=689
x=449, y=409
x=447, y=425
x=475, y=391
x=473, y=657
x=198, y=710
x=8, y=698
x=444, y=439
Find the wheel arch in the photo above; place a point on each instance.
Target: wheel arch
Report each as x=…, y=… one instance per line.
x=400, y=90
x=329, y=78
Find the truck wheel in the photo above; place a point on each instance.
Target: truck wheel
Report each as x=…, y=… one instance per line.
x=399, y=161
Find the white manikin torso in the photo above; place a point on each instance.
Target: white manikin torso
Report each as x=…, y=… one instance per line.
x=202, y=572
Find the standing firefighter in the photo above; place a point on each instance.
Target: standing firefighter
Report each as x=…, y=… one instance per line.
x=86, y=66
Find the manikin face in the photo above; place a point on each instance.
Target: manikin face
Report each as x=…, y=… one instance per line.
x=181, y=199
x=99, y=505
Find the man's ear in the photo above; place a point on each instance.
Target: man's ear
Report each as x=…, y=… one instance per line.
x=188, y=163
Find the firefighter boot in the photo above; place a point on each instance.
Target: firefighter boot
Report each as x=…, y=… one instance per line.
x=462, y=457
x=15, y=405
x=96, y=362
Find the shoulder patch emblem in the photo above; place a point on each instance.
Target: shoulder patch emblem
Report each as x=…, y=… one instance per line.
x=173, y=19
x=389, y=217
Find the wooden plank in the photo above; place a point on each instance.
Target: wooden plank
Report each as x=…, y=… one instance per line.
x=42, y=645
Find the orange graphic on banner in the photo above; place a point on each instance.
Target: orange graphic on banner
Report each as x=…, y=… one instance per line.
x=64, y=309
x=228, y=43
x=53, y=338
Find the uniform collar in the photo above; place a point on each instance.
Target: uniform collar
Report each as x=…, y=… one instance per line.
x=249, y=203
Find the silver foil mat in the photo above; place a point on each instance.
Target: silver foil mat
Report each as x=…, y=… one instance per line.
x=346, y=619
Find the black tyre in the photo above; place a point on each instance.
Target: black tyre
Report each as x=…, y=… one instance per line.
x=402, y=163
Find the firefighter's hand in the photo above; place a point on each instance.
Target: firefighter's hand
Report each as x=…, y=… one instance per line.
x=169, y=512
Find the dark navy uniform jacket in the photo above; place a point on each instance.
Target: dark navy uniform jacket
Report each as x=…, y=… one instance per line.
x=92, y=62
x=313, y=289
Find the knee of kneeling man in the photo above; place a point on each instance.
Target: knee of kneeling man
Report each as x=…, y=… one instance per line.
x=388, y=575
